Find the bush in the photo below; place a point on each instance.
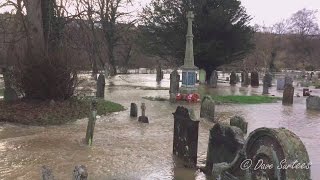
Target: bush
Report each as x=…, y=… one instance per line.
x=51, y=77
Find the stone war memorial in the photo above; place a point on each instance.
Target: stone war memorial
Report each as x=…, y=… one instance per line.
x=159, y=90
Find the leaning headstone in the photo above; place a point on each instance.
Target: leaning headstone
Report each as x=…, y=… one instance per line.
x=213, y=82
x=254, y=79
x=80, y=173
x=280, y=84
x=185, y=138
x=202, y=76
x=91, y=123
x=225, y=142
x=143, y=118
x=133, y=110
x=288, y=94
x=265, y=85
x=233, y=78
x=100, y=86
x=313, y=103
x=46, y=173
x=239, y=122
x=207, y=109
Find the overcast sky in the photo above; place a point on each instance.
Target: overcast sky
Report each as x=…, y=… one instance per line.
x=265, y=12
x=269, y=12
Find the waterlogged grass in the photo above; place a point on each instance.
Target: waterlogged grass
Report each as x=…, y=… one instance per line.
x=60, y=112
x=245, y=99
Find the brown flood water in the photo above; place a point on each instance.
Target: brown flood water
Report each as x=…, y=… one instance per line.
x=125, y=149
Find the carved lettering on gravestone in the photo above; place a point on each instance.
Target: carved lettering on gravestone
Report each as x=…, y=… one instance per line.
x=254, y=79
x=185, y=138
x=207, y=109
x=101, y=86
x=288, y=94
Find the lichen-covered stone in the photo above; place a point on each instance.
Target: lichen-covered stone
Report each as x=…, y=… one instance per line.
x=207, y=109
x=313, y=103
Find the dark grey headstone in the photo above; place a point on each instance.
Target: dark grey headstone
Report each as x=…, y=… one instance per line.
x=133, y=110
x=233, y=78
x=101, y=86
x=174, y=82
x=213, y=82
x=254, y=79
x=313, y=103
x=288, y=94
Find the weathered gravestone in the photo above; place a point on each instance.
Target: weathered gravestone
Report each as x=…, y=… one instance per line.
x=233, y=78
x=240, y=123
x=268, y=79
x=91, y=123
x=202, y=76
x=80, y=173
x=185, y=138
x=280, y=84
x=288, y=94
x=143, y=118
x=133, y=110
x=245, y=78
x=225, y=143
x=254, y=79
x=174, y=85
x=100, y=86
x=265, y=85
x=159, y=74
x=213, y=82
x=313, y=103
x=207, y=109
x=277, y=147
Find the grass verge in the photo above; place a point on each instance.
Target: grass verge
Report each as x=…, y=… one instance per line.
x=46, y=113
x=245, y=99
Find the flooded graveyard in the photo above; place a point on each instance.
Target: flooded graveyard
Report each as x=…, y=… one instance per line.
x=125, y=149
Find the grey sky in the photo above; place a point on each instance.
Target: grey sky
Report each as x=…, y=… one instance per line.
x=269, y=12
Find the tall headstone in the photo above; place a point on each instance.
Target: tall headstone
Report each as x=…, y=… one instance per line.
x=174, y=85
x=189, y=69
x=101, y=83
x=233, y=78
x=245, y=78
x=266, y=83
x=159, y=73
x=202, y=76
x=185, y=138
x=280, y=84
x=254, y=79
x=288, y=94
x=133, y=110
x=313, y=103
x=207, y=109
x=213, y=82
x=91, y=123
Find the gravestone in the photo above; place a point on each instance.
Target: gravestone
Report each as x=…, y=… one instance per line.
x=242, y=77
x=91, y=123
x=254, y=79
x=202, y=76
x=100, y=86
x=174, y=85
x=280, y=84
x=313, y=103
x=185, y=138
x=133, y=110
x=225, y=143
x=159, y=74
x=80, y=173
x=213, y=82
x=238, y=78
x=245, y=78
x=233, y=78
x=288, y=94
x=207, y=109
x=268, y=79
x=143, y=118
x=306, y=92
x=265, y=85
x=240, y=123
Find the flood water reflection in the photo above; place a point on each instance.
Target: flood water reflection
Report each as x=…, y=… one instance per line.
x=126, y=149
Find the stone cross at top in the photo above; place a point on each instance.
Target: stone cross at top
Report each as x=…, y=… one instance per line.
x=190, y=15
